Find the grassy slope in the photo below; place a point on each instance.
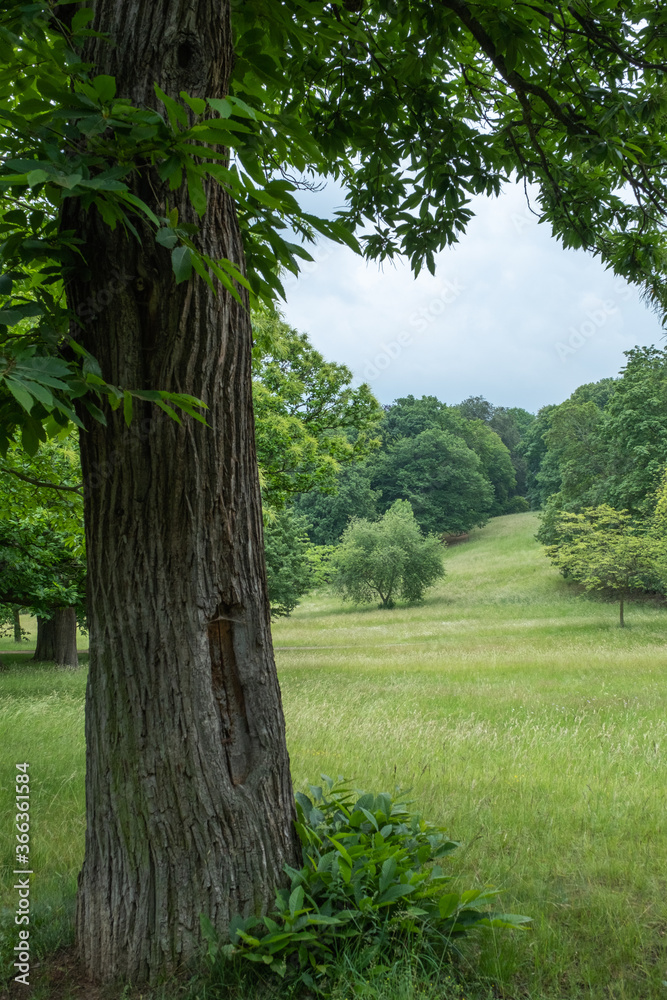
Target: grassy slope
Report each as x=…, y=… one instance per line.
x=521, y=716
x=528, y=722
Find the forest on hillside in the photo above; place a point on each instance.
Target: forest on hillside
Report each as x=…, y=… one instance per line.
x=330, y=453
x=457, y=464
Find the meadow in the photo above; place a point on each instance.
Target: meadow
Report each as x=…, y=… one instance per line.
x=518, y=714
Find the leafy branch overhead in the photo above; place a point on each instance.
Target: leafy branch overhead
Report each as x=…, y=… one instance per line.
x=466, y=97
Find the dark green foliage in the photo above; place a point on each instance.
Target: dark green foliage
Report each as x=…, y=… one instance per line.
x=495, y=460
x=510, y=424
x=370, y=885
x=454, y=470
x=441, y=477
x=386, y=559
x=476, y=408
x=410, y=416
x=329, y=514
x=289, y=571
x=577, y=443
x=635, y=428
x=516, y=505
x=542, y=475
x=39, y=569
x=606, y=444
x=41, y=531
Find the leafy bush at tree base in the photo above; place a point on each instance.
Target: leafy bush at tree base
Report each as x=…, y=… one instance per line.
x=370, y=885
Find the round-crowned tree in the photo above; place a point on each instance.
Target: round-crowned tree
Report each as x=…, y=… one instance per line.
x=386, y=559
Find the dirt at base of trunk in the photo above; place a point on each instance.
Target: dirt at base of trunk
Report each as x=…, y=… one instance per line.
x=60, y=977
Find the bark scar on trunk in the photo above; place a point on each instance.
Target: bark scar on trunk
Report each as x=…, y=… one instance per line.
x=228, y=693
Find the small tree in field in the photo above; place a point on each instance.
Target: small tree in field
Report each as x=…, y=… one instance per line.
x=602, y=550
x=387, y=558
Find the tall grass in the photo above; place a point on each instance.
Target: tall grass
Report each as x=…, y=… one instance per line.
x=41, y=723
x=518, y=713
x=527, y=721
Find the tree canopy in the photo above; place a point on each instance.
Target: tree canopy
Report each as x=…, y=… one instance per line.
x=603, y=550
x=440, y=476
x=309, y=420
x=606, y=444
x=466, y=97
x=386, y=559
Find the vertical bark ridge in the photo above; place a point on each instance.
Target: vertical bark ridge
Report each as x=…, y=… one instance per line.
x=179, y=821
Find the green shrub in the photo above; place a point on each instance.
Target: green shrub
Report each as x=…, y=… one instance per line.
x=516, y=505
x=370, y=885
x=387, y=558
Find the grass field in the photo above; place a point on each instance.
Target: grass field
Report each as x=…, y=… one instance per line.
x=29, y=627
x=519, y=714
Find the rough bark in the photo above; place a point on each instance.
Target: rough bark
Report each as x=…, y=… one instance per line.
x=64, y=626
x=46, y=640
x=188, y=794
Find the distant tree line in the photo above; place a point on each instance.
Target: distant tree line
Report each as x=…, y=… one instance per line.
x=456, y=465
x=329, y=453
x=596, y=469
x=606, y=444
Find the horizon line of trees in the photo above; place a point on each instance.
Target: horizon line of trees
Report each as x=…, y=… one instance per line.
x=329, y=453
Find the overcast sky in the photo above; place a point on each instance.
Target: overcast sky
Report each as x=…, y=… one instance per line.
x=509, y=315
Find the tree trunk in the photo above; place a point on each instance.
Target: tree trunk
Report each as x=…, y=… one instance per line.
x=17, y=625
x=46, y=640
x=65, y=638
x=188, y=794
x=622, y=619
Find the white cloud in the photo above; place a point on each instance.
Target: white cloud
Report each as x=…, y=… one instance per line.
x=509, y=315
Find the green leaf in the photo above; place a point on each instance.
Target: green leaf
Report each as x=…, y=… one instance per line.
x=35, y=177
x=166, y=238
x=29, y=439
x=40, y=392
x=296, y=900
x=448, y=904
x=105, y=87
x=82, y=18
x=197, y=104
x=181, y=263
x=222, y=105
x=341, y=850
x=196, y=191
x=393, y=893
x=388, y=873
x=175, y=112
x=19, y=393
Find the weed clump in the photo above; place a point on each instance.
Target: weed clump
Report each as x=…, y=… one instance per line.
x=370, y=890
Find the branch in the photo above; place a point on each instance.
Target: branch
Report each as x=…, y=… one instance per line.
x=41, y=482
x=514, y=79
